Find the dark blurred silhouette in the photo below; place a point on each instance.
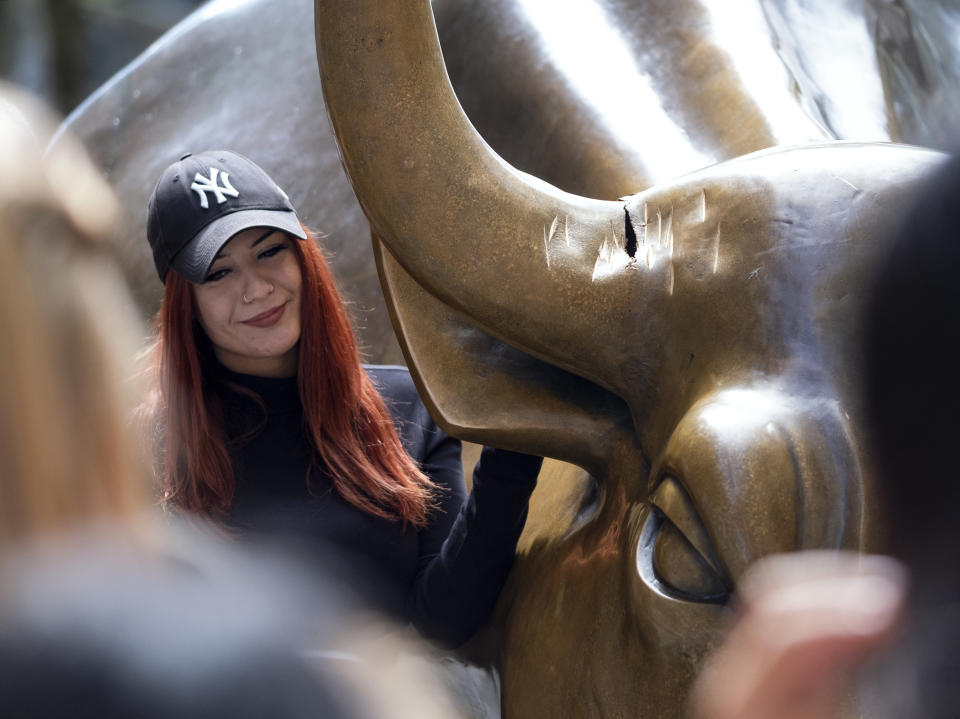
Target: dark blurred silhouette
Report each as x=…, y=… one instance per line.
x=913, y=386
x=101, y=633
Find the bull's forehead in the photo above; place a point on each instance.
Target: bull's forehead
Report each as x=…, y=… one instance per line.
x=757, y=267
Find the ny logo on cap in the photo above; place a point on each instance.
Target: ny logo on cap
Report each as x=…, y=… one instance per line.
x=203, y=184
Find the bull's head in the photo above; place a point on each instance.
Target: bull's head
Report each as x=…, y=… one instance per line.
x=693, y=347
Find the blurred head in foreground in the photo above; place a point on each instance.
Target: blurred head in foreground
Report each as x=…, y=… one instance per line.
x=69, y=336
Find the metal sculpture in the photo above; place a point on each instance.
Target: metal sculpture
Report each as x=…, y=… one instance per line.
x=714, y=317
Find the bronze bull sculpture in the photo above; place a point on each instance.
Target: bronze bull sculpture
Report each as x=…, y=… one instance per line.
x=693, y=348
x=714, y=315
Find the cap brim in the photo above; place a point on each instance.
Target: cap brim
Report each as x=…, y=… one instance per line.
x=194, y=260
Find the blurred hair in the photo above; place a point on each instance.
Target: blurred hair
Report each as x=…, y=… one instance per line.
x=345, y=417
x=69, y=337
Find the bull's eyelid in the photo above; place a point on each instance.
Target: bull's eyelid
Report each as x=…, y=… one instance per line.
x=670, y=498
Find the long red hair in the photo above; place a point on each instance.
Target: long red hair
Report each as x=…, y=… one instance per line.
x=345, y=417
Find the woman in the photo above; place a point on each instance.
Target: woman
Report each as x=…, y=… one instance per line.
x=102, y=612
x=271, y=426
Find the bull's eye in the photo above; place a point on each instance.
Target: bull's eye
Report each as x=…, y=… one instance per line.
x=674, y=554
x=679, y=566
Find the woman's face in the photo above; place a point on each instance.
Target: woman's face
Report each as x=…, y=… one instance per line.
x=249, y=304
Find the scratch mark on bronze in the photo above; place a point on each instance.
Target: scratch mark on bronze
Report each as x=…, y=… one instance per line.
x=811, y=245
x=847, y=182
x=596, y=269
x=551, y=237
x=755, y=273
x=620, y=244
x=668, y=233
x=566, y=230
x=716, y=251
x=671, y=276
x=604, y=256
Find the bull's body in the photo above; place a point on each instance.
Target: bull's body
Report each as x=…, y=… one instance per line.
x=698, y=359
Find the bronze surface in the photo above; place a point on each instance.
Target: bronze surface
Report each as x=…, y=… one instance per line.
x=721, y=309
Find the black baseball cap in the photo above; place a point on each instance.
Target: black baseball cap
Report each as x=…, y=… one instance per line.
x=204, y=199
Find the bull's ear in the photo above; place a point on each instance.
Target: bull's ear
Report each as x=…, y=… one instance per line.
x=482, y=390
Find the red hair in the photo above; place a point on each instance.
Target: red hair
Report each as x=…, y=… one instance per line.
x=345, y=417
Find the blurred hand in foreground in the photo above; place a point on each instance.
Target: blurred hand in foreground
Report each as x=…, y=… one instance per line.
x=806, y=622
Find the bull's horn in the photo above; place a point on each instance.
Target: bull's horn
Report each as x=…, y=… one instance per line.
x=529, y=263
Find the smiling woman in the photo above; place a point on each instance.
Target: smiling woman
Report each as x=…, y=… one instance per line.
x=249, y=303
x=267, y=424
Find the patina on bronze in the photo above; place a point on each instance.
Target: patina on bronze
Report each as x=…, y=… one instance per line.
x=714, y=317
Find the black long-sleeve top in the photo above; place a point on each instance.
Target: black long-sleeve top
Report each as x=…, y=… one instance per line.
x=444, y=578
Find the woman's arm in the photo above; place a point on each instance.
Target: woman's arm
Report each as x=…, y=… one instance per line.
x=468, y=546
x=466, y=552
